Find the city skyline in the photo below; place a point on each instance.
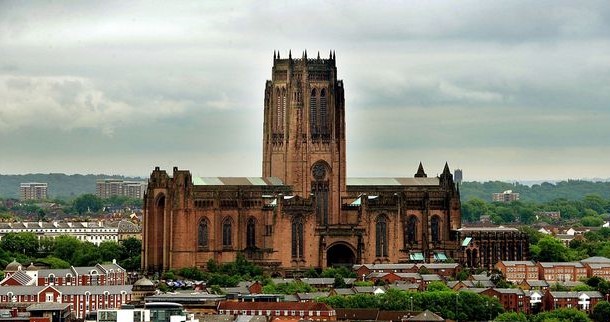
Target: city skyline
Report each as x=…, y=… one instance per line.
x=511, y=91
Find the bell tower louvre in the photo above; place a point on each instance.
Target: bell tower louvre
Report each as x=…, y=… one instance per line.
x=304, y=212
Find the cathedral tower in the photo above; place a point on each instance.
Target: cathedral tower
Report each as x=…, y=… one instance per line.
x=304, y=130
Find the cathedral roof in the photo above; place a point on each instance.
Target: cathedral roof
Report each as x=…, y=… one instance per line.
x=498, y=228
x=237, y=181
x=384, y=181
x=274, y=181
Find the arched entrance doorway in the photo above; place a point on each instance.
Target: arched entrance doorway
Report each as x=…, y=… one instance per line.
x=340, y=255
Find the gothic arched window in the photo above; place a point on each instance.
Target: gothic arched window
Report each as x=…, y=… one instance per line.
x=297, y=238
x=381, y=237
x=251, y=233
x=203, y=233
x=412, y=230
x=226, y=233
x=278, y=111
x=323, y=113
x=313, y=112
x=283, y=111
x=320, y=188
x=435, y=229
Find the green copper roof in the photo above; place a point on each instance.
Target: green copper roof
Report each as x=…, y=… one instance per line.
x=439, y=256
x=380, y=181
x=416, y=256
x=466, y=241
x=237, y=181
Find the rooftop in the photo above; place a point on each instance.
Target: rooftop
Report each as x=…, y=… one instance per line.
x=237, y=181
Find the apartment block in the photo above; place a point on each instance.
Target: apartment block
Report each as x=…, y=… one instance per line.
x=506, y=196
x=106, y=188
x=33, y=191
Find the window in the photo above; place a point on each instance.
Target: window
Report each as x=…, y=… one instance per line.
x=251, y=233
x=283, y=112
x=297, y=238
x=411, y=230
x=278, y=111
x=202, y=235
x=435, y=229
x=323, y=113
x=313, y=113
x=226, y=233
x=320, y=188
x=381, y=237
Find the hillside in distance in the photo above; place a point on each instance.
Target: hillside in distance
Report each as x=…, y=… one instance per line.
x=67, y=187
x=539, y=193
x=61, y=186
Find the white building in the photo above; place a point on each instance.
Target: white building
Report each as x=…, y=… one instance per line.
x=95, y=232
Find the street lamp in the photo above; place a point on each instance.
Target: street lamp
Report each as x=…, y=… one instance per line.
x=457, y=296
x=411, y=298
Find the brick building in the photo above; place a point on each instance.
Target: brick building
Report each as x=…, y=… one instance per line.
x=304, y=211
x=584, y=301
x=86, y=289
x=597, y=266
x=517, y=271
x=554, y=272
x=486, y=246
x=512, y=299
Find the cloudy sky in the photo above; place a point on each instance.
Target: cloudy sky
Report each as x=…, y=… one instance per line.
x=502, y=89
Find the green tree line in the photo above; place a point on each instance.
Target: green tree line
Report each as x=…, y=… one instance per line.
x=65, y=251
x=463, y=306
x=591, y=210
x=538, y=193
x=83, y=204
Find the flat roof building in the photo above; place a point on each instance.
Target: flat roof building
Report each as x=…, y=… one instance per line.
x=106, y=188
x=33, y=191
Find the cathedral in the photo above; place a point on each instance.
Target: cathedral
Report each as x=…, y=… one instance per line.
x=304, y=212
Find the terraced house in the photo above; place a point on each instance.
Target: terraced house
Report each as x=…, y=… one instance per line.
x=86, y=289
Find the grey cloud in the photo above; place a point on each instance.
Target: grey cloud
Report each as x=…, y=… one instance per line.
x=181, y=84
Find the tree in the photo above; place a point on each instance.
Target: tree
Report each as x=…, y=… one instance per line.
x=592, y=221
x=436, y=286
x=66, y=247
x=54, y=262
x=552, y=250
x=287, y=288
x=132, y=249
x=87, y=203
x=25, y=243
x=87, y=255
x=462, y=275
x=311, y=273
x=511, y=317
x=472, y=210
x=561, y=315
x=341, y=271
x=601, y=312
x=110, y=250
x=339, y=282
